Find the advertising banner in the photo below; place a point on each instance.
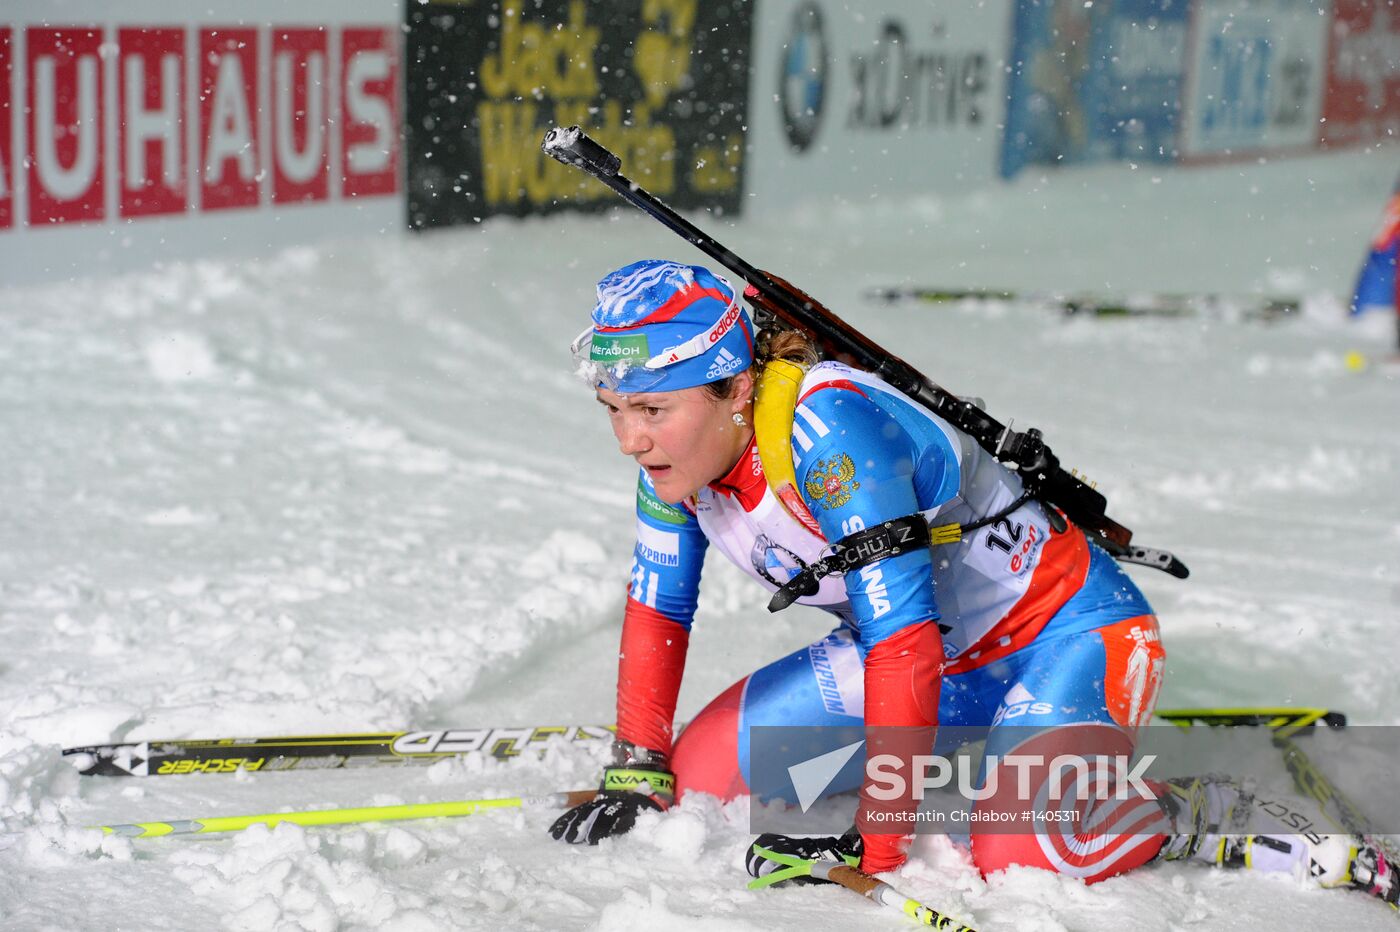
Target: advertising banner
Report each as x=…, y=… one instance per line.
x=1256, y=71
x=663, y=83
x=1094, y=81
x=851, y=100
x=150, y=133
x=1362, y=98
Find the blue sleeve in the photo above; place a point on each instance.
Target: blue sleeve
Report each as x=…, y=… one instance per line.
x=669, y=555
x=855, y=468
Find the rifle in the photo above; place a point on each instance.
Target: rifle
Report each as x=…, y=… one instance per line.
x=774, y=298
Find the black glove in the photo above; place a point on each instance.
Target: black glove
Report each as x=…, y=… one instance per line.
x=790, y=857
x=639, y=782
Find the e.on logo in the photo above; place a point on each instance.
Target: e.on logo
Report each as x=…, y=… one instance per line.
x=201, y=118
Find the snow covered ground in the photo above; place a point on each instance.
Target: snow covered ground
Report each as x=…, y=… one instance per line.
x=356, y=487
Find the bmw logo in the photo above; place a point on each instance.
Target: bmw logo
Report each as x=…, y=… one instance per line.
x=802, y=80
x=774, y=562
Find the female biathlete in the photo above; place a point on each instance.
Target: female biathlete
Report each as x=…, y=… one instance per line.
x=1021, y=621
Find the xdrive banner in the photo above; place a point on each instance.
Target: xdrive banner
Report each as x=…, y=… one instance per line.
x=900, y=97
x=662, y=83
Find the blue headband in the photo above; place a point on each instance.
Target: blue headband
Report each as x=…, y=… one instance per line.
x=660, y=326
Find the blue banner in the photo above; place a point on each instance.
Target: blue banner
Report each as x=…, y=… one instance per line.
x=1092, y=82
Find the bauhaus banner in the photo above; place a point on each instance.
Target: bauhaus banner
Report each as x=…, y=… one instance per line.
x=218, y=120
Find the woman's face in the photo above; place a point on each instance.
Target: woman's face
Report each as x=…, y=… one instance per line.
x=684, y=439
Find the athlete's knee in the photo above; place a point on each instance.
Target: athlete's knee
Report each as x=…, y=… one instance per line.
x=705, y=758
x=1087, y=856
x=992, y=852
x=1058, y=800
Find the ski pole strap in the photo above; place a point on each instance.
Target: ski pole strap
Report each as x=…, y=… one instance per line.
x=794, y=866
x=618, y=779
x=657, y=785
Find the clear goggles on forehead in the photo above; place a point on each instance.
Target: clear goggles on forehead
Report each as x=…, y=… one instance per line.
x=642, y=374
x=594, y=372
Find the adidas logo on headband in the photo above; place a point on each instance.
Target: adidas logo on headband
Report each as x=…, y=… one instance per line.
x=725, y=363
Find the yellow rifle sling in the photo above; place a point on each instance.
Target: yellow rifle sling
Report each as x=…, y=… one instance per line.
x=774, y=407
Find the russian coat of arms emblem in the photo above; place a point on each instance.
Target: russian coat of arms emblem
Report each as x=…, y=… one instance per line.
x=832, y=481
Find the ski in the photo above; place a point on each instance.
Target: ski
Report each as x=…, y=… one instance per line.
x=1286, y=724
x=177, y=756
x=167, y=757
x=1282, y=720
x=1247, y=307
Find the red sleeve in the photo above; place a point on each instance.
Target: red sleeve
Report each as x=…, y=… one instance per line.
x=649, y=672
x=903, y=674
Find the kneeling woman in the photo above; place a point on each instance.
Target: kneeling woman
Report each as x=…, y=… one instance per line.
x=1022, y=619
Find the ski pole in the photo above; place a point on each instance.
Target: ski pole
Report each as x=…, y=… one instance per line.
x=857, y=881
x=441, y=810
x=885, y=895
